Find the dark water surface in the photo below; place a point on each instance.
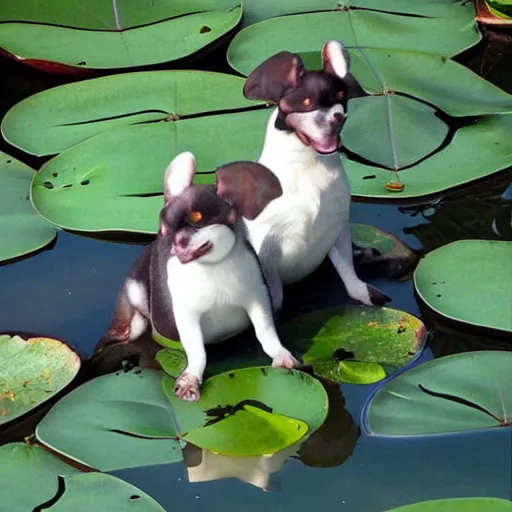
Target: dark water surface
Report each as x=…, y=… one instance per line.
x=68, y=292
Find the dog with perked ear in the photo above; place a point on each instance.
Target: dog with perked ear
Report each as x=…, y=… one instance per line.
x=310, y=220
x=200, y=281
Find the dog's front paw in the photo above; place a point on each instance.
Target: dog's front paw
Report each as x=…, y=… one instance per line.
x=187, y=387
x=377, y=298
x=285, y=360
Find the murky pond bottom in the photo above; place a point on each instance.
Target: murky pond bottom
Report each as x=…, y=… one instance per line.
x=69, y=290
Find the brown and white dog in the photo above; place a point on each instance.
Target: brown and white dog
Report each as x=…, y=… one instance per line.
x=311, y=219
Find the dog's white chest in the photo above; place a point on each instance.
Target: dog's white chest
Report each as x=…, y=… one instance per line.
x=217, y=292
x=309, y=216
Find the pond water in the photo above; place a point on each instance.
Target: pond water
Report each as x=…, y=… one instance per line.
x=68, y=292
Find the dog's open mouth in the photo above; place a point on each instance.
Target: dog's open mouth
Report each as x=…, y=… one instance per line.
x=326, y=146
x=187, y=255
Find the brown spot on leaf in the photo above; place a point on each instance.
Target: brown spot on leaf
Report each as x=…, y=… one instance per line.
x=204, y=29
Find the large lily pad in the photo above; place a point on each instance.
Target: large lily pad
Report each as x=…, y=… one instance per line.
x=477, y=150
x=469, y=281
x=366, y=28
x=258, y=10
x=240, y=413
x=116, y=421
x=89, y=107
x=357, y=344
x=114, y=180
x=21, y=463
x=93, y=491
x=32, y=371
x=458, y=505
x=21, y=229
x=122, y=39
x=460, y=392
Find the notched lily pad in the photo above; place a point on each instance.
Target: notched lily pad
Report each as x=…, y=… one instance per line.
x=93, y=491
x=466, y=391
x=442, y=282
x=355, y=344
x=241, y=414
x=22, y=230
x=171, y=36
x=116, y=421
x=32, y=371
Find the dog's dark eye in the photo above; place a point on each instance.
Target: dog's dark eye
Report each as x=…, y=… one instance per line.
x=195, y=217
x=340, y=95
x=307, y=102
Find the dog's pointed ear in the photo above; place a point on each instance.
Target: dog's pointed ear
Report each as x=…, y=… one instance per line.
x=179, y=175
x=335, y=58
x=273, y=76
x=248, y=186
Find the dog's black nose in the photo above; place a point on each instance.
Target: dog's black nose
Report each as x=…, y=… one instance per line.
x=337, y=119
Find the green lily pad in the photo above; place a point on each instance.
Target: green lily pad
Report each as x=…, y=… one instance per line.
x=21, y=229
x=89, y=107
x=416, y=130
x=91, y=491
x=364, y=28
x=258, y=10
x=355, y=344
x=460, y=392
x=501, y=8
x=249, y=432
x=478, y=150
x=172, y=361
x=228, y=402
x=173, y=36
x=32, y=371
x=458, y=505
x=441, y=280
x=23, y=463
x=116, y=421
x=100, y=186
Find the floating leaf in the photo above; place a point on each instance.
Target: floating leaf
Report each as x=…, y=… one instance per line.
x=249, y=432
x=476, y=151
x=114, y=180
x=23, y=463
x=458, y=505
x=258, y=10
x=333, y=340
x=89, y=107
x=465, y=391
x=93, y=491
x=126, y=44
x=32, y=371
x=365, y=28
x=225, y=396
x=116, y=421
x=21, y=229
x=415, y=126
x=443, y=283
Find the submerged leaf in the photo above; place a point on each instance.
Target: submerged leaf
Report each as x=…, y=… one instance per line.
x=476, y=389
x=458, y=505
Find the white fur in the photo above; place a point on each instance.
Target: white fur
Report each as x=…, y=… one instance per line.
x=223, y=239
x=179, y=174
x=213, y=301
x=312, y=216
x=138, y=295
x=334, y=51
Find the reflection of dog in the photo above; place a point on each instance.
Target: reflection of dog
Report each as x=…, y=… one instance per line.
x=200, y=281
x=310, y=220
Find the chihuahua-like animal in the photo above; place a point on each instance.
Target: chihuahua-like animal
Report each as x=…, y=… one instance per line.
x=200, y=281
x=311, y=219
